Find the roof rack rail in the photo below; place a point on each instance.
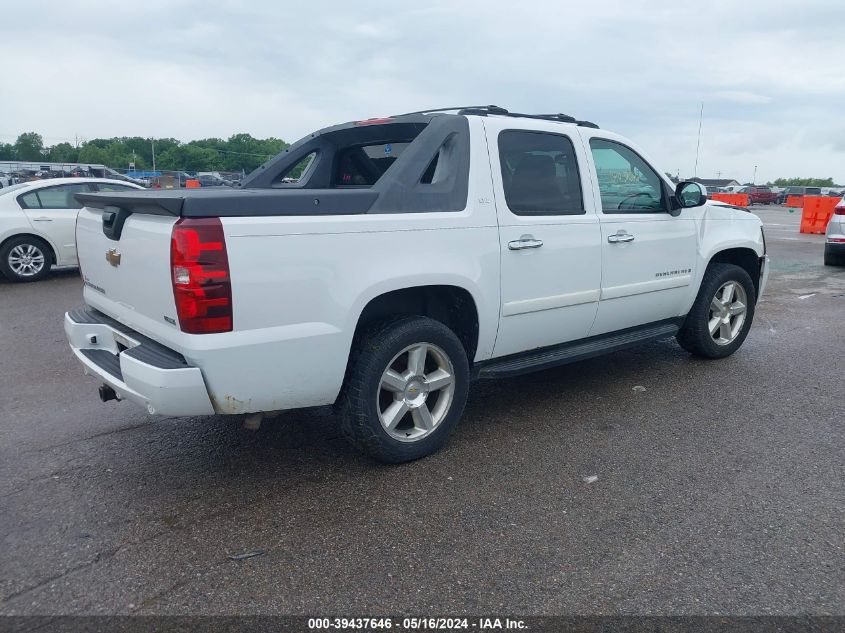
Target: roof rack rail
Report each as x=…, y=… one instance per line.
x=485, y=110
x=459, y=108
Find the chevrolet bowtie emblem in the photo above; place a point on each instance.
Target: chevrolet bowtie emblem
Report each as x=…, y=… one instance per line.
x=113, y=257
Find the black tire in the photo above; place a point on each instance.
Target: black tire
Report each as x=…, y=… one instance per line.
x=359, y=404
x=694, y=336
x=27, y=242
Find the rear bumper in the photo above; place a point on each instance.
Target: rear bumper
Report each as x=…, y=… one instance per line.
x=837, y=249
x=136, y=367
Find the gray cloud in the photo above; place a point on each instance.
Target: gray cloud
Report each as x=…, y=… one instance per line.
x=769, y=76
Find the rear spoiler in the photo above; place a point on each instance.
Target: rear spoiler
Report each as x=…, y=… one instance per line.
x=149, y=202
x=221, y=202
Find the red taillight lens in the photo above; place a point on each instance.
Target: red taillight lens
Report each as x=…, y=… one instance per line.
x=199, y=267
x=839, y=209
x=375, y=121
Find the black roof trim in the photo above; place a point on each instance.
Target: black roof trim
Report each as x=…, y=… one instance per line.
x=486, y=110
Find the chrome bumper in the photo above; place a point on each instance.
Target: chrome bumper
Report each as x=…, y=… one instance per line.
x=136, y=367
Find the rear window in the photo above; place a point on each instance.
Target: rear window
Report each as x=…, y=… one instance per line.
x=763, y=190
x=362, y=166
x=813, y=191
x=299, y=170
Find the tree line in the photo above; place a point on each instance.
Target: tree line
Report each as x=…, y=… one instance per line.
x=240, y=152
x=803, y=182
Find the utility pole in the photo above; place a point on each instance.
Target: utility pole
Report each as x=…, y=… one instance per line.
x=719, y=175
x=698, y=145
x=754, y=178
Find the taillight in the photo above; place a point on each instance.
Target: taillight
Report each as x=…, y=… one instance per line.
x=839, y=209
x=375, y=121
x=199, y=268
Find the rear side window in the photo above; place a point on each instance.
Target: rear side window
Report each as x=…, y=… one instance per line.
x=362, y=166
x=61, y=197
x=58, y=197
x=30, y=200
x=540, y=174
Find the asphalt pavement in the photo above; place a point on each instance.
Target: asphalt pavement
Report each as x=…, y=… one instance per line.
x=720, y=486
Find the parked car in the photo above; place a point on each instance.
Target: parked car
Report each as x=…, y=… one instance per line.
x=410, y=255
x=37, y=222
x=759, y=195
x=789, y=191
x=834, y=244
x=5, y=179
x=712, y=190
x=213, y=180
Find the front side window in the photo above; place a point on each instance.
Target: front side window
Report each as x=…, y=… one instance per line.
x=626, y=182
x=540, y=174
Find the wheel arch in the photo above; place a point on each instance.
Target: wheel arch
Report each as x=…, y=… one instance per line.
x=743, y=256
x=450, y=304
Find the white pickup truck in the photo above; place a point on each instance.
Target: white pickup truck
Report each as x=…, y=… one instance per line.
x=381, y=265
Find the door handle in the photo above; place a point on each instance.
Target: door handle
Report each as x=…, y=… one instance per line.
x=620, y=236
x=526, y=241
x=42, y=219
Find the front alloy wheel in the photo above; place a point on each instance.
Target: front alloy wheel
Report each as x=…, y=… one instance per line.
x=722, y=313
x=727, y=313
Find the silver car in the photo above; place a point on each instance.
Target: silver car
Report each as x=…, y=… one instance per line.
x=834, y=246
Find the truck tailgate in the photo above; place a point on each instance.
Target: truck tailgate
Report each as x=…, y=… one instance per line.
x=128, y=278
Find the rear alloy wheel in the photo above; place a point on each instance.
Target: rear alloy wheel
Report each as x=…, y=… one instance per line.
x=721, y=315
x=405, y=389
x=25, y=259
x=415, y=392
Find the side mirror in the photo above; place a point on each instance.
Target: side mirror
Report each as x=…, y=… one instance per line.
x=690, y=194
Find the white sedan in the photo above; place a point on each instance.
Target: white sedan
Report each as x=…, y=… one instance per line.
x=38, y=221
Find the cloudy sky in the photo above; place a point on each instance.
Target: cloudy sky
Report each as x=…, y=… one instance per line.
x=771, y=74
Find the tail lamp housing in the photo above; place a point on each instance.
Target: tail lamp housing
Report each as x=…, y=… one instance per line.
x=199, y=266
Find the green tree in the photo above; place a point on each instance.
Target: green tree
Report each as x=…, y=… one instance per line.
x=239, y=152
x=29, y=146
x=63, y=153
x=804, y=182
x=93, y=154
x=189, y=157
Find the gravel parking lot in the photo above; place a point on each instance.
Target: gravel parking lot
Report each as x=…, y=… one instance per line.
x=720, y=487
